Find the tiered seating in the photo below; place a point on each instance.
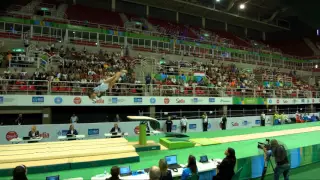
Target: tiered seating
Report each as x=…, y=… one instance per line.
x=172, y=28
x=294, y=47
x=94, y=15
x=237, y=41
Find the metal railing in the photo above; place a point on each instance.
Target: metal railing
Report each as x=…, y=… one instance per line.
x=21, y=86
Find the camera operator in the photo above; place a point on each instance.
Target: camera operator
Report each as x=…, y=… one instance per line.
x=280, y=155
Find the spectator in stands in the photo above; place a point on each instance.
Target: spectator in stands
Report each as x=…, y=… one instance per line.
x=205, y=122
x=117, y=118
x=184, y=123
x=115, y=172
x=165, y=173
x=169, y=124
x=115, y=129
x=34, y=133
x=19, y=120
x=226, y=167
x=74, y=119
x=20, y=173
x=72, y=131
x=154, y=173
x=191, y=170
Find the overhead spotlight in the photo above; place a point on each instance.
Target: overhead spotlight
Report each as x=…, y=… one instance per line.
x=242, y=6
x=217, y=0
x=316, y=66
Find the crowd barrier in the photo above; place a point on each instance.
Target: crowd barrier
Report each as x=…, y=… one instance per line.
x=97, y=130
x=42, y=87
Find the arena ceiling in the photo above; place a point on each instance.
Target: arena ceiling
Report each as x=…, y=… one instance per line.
x=265, y=15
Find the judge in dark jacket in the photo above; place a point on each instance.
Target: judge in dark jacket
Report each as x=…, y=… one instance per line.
x=115, y=129
x=226, y=167
x=72, y=131
x=34, y=133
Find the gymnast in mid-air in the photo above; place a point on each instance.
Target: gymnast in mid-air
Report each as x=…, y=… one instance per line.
x=107, y=83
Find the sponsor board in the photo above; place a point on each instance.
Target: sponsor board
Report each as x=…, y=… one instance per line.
x=11, y=135
x=257, y=122
x=180, y=101
x=58, y=100
x=98, y=101
x=234, y=124
x=192, y=126
x=77, y=100
x=93, y=132
x=166, y=100
x=37, y=99
x=153, y=100
x=174, y=127
x=137, y=100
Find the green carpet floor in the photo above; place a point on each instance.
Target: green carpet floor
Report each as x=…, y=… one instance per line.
x=243, y=149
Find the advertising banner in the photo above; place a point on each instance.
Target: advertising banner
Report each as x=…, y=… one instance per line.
x=248, y=101
x=283, y=101
x=49, y=100
x=51, y=132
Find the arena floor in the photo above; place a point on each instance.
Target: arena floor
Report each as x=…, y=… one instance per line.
x=243, y=149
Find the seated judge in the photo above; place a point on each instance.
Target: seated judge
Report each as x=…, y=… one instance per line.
x=115, y=129
x=72, y=131
x=33, y=133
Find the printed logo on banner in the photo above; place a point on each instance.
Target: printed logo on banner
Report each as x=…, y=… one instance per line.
x=11, y=135
x=153, y=100
x=98, y=101
x=312, y=100
x=234, y=124
x=174, y=128
x=192, y=126
x=258, y=122
x=93, y=132
x=278, y=101
x=212, y=100
x=37, y=99
x=180, y=101
x=195, y=100
x=245, y=123
x=1, y=99
x=44, y=135
x=62, y=133
x=302, y=100
x=58, y=100
x=136, y=130
x=166, y=100
x=115, y=100
x=270, y=101
x=77, y=100
x=225, y=101
x=137, y=100
x=285, y=101
x=209, y=125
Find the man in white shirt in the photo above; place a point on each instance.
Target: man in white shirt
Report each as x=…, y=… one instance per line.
x=74, y=119
x=184, y=123
x=205, y=122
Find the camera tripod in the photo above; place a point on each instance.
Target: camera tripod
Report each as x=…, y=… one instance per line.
x=265, y=168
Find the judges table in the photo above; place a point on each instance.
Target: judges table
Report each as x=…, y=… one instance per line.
x=20, y=140
x=76, y=137
x=109, y=135
x=205, y=170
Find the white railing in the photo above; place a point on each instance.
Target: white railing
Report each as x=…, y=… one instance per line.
x=20, y=86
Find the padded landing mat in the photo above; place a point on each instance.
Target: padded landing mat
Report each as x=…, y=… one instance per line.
x=204, y=141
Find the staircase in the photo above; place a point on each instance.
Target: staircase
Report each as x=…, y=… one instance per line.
x=312, y=46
